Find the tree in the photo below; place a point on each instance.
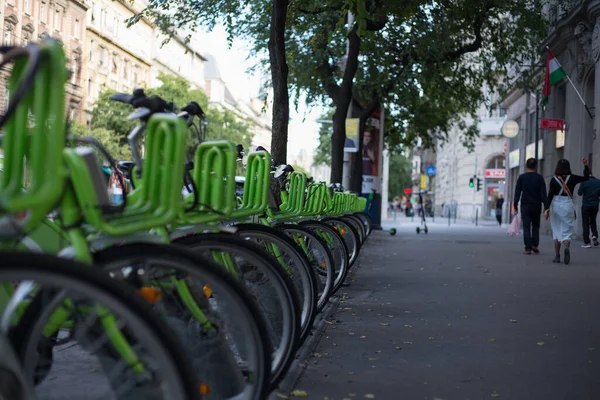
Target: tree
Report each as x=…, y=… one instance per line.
x=322, y=155
x=399, y=175
x=106, y=138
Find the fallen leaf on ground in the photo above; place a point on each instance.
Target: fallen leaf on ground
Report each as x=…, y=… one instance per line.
x=492, y=340
x=383, y=324
x=372, y=358
x=407, y=342
x=282, y=396
x=540, y=343
x=464, y=317
x=408, y=326
x=591, y=349
x=352, y=394
x=378, y=351
x=449, y=324
x=495, y=395
x=363, y=337
x=369, y=396
x=299, y=393
x=330, y=322
x=390, y=316
x=318, y=355
x=431, y=338
x=513, y=321
x=398, y=348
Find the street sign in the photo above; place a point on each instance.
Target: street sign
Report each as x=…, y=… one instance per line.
x=553, y=124
x=408, y=191
x=430, y=170
x=495, y=173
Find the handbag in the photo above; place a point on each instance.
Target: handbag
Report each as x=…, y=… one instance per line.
x=566, y=189
x=514, y=229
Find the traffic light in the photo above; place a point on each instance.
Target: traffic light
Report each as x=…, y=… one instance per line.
x=471, y=184
x=478, y=184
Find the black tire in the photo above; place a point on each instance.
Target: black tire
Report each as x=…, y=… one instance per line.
x=349, y=235
x=282, y=286
x=297, y=264
x=358, y=226
x=338, y=249
x=70, y=274
x=318, y=248
x=184, y=261
x=366, y=220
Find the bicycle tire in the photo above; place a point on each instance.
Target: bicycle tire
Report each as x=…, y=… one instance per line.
x=70, y=274
x=318, y=248
x=182, y=258
x=304, y=277
x=287, y=299
x=358, y=226
x=338, y=249
x=366, y=220
x=349, y=235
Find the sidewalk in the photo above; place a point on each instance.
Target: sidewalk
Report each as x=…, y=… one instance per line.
x=461, y=314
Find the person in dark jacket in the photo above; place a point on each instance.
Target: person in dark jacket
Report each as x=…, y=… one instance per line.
x=499, y=204
x=531, y=193
x=590, y=190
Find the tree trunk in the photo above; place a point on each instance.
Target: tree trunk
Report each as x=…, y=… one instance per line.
x=337, y=144
x=279, y=78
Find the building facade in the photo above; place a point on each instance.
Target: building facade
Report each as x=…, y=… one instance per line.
x=28, y=20
x=456, y=165
x=574, y=37
x=116, y=57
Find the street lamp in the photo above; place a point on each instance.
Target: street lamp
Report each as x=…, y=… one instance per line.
x=510, y=129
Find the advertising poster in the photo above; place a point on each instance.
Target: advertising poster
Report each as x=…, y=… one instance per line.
x=351, y=143
x=372, y=150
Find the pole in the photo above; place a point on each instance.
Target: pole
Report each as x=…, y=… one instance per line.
x=475, y=184
x=537, y=127
x=349, y=158
x=476, y=216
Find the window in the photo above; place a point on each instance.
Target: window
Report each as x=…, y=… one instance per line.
x=7, y=35
x=115, y=68
x=75, y=71
x=125, y=69
x=57, y=19
x=10, y=2
x=72, y=114
x=89, y=86
x=91, y=50
x=100, y=55
x=43, y=12
x=93, y=13
x=26, y=38
x=531, y=130
x=76, y=29
x=27, y=7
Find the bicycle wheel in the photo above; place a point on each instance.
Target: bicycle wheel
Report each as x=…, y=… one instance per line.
x=268, y=284
x=211, y=313
x=349, y=235
x=93, y=304
x=338, y=249
x=13, y=383
x=366, y=220
x=358, y=226
x=319, y=256
x=291, y=257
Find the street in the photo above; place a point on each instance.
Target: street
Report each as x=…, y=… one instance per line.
x=461, y=313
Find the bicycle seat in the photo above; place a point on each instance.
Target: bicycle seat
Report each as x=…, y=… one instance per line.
x=194, y=109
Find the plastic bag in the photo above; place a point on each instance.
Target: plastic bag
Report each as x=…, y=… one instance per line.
x=514, y=229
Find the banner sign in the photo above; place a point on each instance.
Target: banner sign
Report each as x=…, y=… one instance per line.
x=351, y=143
x=495, y=173
x=552, y=124
x=372, y=151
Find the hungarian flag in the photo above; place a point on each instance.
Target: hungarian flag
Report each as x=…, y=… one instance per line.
x=554, y=74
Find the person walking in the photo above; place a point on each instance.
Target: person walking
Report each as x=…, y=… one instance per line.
x=590, y=190
x=531, y=193
x=560, y=196
x=499, y=205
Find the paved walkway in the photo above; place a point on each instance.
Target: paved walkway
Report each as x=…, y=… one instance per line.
x=461, y=314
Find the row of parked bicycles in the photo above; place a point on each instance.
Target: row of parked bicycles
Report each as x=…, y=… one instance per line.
x=181, y=290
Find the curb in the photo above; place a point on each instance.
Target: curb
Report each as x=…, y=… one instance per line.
x=300, y=363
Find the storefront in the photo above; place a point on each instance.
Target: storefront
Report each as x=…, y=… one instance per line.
x=495, y=179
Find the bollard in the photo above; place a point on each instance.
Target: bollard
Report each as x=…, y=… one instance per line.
x=449, y=217
x=476, y=216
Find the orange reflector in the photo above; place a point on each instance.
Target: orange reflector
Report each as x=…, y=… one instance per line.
x=207, y=291
x=323, y=264
x=343, y=231
x=151, y=295
x=204, y=389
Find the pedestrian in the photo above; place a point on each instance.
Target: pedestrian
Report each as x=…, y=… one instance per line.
x=560, y=196
x=531, y=193
x=590, y=190
x=499, y=205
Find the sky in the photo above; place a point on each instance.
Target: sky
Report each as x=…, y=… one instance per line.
x=233, y=63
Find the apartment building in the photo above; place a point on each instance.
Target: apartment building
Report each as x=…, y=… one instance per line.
x=29, y=20
x=117, y=57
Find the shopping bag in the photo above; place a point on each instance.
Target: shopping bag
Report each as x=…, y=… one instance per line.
x=514, y=229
